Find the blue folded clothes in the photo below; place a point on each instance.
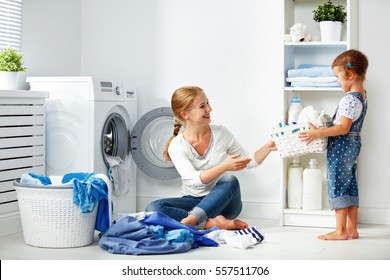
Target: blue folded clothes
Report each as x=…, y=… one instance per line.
x=311, y=70
x=314, y=84
x=34, y=179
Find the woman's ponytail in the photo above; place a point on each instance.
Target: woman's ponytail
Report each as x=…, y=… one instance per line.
x=176, y=128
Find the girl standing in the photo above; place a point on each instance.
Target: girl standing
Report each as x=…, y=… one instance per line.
x=203, y=154
x=344, y=143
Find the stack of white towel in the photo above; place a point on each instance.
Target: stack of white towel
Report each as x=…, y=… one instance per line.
x=312, y=75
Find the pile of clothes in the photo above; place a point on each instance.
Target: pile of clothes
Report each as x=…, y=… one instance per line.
x=143, y=233
x=156, y=233
x=312, y=75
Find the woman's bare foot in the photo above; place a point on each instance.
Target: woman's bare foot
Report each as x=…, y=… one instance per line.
x=189, y=220
x=222, y=223
x=334, y=235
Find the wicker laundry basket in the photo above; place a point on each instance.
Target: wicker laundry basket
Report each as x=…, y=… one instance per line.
x=50, y=218
x=289, y=145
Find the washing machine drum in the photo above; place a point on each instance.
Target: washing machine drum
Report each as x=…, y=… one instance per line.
x=115, y=138
x=148, y=139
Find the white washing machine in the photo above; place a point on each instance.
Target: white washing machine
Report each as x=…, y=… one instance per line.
x=88, y=119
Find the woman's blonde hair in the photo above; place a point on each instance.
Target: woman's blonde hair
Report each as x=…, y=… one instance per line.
x=182, y=100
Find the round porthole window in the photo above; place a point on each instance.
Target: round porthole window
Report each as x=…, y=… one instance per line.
x=115, y=138
x=148, y=139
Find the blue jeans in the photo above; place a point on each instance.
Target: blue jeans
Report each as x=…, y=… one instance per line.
x=224, y=199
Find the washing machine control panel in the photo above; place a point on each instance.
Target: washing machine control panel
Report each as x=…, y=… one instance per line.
x=113, y=91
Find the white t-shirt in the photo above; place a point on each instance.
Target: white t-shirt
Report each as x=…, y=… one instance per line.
x=350, y=107
x=190, y=164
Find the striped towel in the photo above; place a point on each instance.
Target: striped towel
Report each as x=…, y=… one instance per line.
x=254, y=231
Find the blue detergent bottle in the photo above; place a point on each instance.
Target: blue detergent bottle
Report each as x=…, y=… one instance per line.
x=295, y=109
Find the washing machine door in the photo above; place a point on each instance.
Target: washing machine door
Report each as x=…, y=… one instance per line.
x=115, y=138
x=148, y=139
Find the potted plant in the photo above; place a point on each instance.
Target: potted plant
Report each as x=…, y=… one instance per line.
x=11, y=63
x=331, y=18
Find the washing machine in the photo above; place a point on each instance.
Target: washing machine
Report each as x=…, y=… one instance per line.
x=90, y=119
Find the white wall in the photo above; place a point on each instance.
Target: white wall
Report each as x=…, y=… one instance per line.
x=374, y=164
x=231, y=48
x=52, y=37
x=220, y=46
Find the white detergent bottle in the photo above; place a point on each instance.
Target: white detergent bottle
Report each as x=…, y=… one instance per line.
x=295, y=108
x=294, y=184
x=312, y=187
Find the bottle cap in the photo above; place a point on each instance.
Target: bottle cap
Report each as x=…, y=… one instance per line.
x=313, y=163
x=295, y=99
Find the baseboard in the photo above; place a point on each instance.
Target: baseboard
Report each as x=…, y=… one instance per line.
x=10, y=223
x=374, y=214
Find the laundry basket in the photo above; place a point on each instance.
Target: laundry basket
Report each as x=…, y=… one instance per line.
x=50, y=218
x=289, y=145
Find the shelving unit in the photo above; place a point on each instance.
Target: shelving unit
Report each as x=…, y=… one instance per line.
x=319, y=53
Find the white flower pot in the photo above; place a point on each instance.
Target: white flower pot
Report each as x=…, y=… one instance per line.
x=8, y=80
x=330, y=31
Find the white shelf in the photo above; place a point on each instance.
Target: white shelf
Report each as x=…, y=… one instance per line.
x=316, y=53
x=316, y=44
x=337, y=89
x=309, y=218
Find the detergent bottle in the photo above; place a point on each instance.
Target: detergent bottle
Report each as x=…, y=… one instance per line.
x=294, y=184
x=294, y=109
x=312, y=187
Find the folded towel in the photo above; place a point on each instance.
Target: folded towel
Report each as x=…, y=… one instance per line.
x=312, y=79
x=312, y=84
x=308, y=70
x=27, y=179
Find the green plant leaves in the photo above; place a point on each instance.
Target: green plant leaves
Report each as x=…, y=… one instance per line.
x=330, y=12
x=11, y=61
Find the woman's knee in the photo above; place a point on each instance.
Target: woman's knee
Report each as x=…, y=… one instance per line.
x=231, y=181
x=156, y=205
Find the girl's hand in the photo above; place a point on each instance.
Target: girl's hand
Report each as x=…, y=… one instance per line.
x=309, y=135
x=271, y=145
x=235, y=163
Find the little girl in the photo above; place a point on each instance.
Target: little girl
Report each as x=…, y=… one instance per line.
x=344, y=143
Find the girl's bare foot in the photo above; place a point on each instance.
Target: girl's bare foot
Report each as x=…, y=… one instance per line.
x=222, y=223
x=334, y=235
x=353, y=233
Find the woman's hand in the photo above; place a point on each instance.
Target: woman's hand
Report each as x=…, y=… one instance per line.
x=309, y=135
x=235, y=162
